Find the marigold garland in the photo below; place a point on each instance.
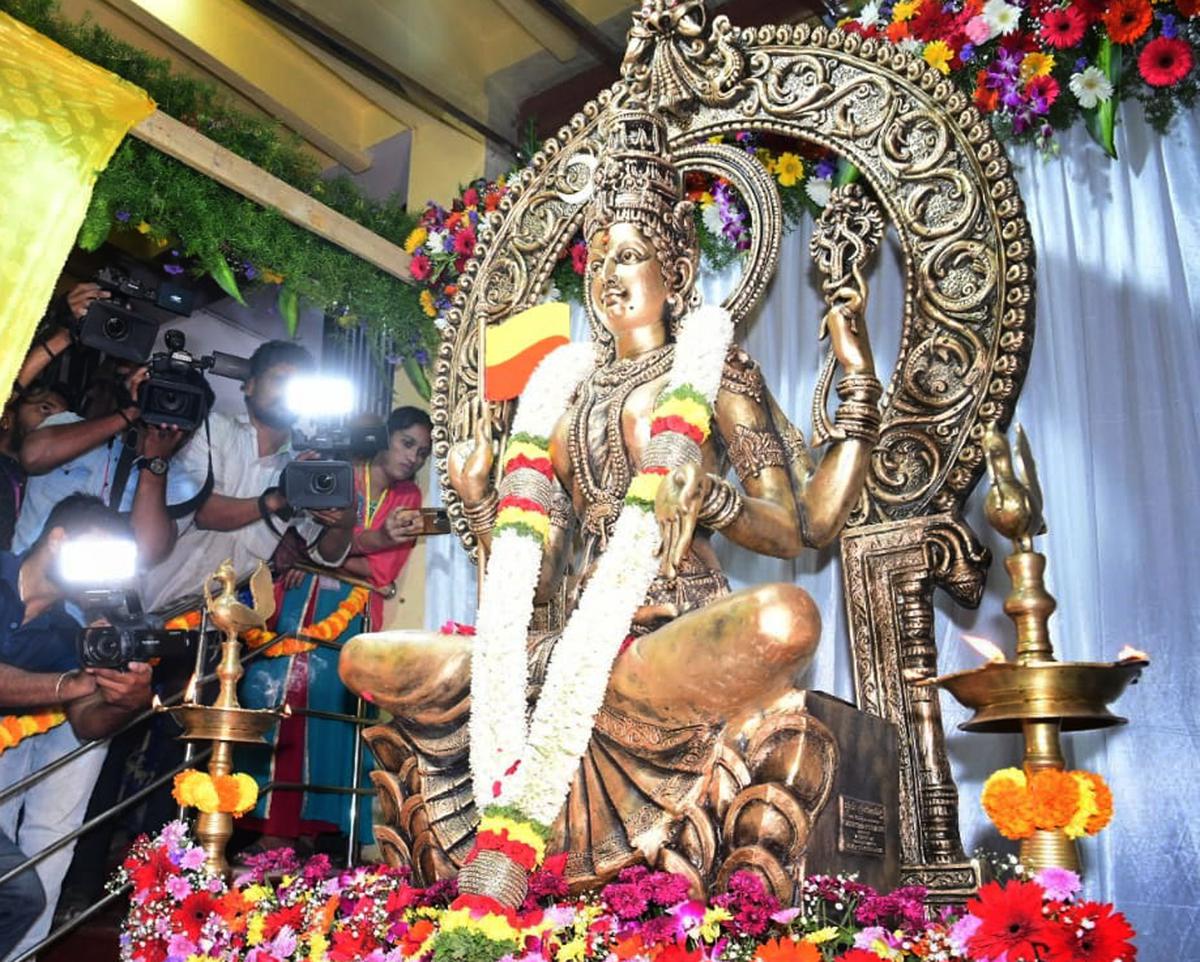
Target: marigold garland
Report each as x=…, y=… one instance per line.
x=327, y=629
x=1079, y=803
x=14, y=729
x=234, y=794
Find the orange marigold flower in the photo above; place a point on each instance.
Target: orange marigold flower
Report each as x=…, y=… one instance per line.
x=787, y=950
x=897, y=31
x=1007, y=803
x=1055, y=797
x=1104, y=804
x=227, y=793
x=1127, y=20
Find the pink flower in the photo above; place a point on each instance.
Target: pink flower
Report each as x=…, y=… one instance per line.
x=470, y=197
x=192, y=859
x=464, y=241
x=977, y=30
x=179, y=887
x=420, y=267
x=1060, y=883
x=579, y=257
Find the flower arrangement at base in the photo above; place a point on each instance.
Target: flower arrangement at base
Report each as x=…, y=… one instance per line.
x=233, y=794
x=282, y=910
x=1079, y=803
x=14, y=729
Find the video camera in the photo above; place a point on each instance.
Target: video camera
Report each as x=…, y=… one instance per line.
x=115, y=326
x=323, y=405
x=98, y=572
x=175, y=393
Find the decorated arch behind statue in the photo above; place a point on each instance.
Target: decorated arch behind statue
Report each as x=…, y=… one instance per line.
x=934, y=169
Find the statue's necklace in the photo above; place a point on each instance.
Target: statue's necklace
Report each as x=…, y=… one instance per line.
x=612, y=384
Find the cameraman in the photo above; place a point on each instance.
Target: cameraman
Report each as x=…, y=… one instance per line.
x=99, y=456
x=246, y=515
x=39, y=670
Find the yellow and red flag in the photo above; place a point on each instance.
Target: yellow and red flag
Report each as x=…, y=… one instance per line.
x=514, y=347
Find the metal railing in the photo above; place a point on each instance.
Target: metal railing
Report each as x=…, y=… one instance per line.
x=191, y=756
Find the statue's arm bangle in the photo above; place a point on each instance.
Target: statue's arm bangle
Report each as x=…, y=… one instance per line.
x=858, y=416
x=482, y=514
x=721, y=506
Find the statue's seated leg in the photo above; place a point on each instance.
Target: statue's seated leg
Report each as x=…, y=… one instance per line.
x=423, y=779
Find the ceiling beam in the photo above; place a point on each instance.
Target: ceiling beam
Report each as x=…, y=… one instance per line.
x=335, y=146
x=291, y=17
x=545, y=28
x=591, y=39
x=191, y=147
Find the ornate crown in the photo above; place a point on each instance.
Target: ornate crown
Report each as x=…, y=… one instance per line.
x=637, y=182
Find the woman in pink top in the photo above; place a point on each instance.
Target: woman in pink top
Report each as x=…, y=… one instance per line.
x=320, y=751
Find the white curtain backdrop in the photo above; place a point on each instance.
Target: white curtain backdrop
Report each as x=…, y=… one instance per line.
x=1110, y=405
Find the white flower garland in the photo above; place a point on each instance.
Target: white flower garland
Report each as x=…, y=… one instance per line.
x=579, y=669
x=499, y=667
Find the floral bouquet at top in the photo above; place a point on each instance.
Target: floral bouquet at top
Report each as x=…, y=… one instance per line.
x=1036, y=66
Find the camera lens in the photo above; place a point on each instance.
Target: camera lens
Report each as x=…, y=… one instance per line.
x=323, y=483
x=169, y=402
x=116, y=328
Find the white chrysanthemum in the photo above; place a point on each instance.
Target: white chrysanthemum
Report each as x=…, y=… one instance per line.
x=441, y=323
x=869, y=15
x=711, y=215
x=550, y=293
x=435, y=241
x=1090, y=87
x=1001, y=17
x=911, y=45
x=819, y=189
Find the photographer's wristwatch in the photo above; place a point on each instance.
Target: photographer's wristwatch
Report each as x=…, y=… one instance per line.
x=156, y=466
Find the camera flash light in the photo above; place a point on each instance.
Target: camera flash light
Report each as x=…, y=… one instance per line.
x=97, y=561
x=320, y=396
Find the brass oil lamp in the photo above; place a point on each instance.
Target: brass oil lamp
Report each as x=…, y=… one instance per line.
x=1036, y=694
x=225, y=723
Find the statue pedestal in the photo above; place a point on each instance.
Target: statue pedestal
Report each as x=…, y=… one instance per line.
x=858, y=830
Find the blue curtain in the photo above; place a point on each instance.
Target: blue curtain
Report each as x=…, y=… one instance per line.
x=1110, y=405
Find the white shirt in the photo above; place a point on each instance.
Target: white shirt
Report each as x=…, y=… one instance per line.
x=238, y=472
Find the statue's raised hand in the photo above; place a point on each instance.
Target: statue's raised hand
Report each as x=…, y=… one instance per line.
x=847, y=329
x=676, y=507
x=470, y=462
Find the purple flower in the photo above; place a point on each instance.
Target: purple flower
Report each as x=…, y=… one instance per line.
x=421, y=356
x=625, y=899
x=173, y=269
x=249, y=270
x=1060, y=883
x=1081, y=64
x=902, y=908
x=961, y=932
x=275, y=861
x=825, y=169
x=192, y=859
x=967, y=52
x=122, y=215
x=1168, y=24
x=440, y=893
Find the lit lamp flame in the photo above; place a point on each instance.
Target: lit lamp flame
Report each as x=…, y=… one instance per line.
x=189, y=694
x=988, y=649
x=156, y=703
x=1129, y=653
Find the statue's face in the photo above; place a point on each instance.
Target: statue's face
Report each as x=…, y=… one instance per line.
x=626, y=279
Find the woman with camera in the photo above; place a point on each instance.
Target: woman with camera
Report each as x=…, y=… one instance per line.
x=321, y=751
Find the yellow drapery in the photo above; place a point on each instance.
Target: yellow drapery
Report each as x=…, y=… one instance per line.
x=61, y=118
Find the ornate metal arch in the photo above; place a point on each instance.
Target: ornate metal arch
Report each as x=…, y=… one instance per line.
x=967, y=323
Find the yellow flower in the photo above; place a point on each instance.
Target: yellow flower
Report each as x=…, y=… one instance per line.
x=201, y=958
x=427, y=304
x=716, y=139
x=644, y=487
x=1088, y=807
x=143, y=228
x=706, y=198
x=905, y=10
x=764, y=157
x=710, y=927
x=270, y=277
x=255, y=928
x=1036, y=64
x=789, y=169
x=572, y=951
x=938, y=55
x=255, y=893
x=822, y=935
x=317, y=944
x=415, y=239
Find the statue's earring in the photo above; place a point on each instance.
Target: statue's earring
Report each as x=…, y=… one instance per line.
x=675, y=305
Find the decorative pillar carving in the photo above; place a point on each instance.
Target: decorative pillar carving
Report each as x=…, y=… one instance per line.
x=889, y=573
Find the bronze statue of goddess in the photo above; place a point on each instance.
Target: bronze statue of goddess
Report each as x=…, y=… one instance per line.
x=700, y=662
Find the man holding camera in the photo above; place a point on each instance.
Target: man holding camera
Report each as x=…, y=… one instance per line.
x=39, y=670
x=246, y=514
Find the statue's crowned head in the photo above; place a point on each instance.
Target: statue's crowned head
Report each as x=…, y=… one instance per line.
x=638, y=194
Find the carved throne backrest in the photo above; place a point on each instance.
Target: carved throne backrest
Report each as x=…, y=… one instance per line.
x=945, y=184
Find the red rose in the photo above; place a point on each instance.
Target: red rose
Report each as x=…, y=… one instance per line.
x=1165, y=61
